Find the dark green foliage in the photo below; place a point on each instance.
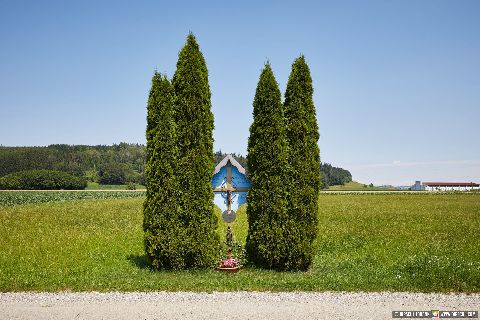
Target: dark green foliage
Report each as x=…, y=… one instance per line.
x=269, y=228
x=14, y=159
x=179, y=221
x=165, y=239
x=304, y=159
x=194, y=121
x=41, y=180
x=160, y=100
x=113, y=173
x=334, y=176
x=79, y=160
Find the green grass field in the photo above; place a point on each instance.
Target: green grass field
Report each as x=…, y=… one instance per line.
x=355, y=186
x=369, y=242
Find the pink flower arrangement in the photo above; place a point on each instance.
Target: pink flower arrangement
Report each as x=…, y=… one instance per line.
x=228, y=263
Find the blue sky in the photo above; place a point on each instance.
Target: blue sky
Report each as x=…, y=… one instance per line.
x=397, y=83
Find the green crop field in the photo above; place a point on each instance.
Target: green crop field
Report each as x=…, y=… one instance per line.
x=369, y=242
x=15, y=198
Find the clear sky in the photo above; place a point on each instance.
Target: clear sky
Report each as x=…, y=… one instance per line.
x=397, y=83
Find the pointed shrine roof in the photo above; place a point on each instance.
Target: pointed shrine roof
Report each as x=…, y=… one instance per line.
x=232, y=160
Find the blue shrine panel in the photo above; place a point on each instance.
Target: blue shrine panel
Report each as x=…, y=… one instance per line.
x=219, y=180
x=239, y=180
x=238, y=198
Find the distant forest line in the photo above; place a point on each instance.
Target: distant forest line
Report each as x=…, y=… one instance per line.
x=116, y=164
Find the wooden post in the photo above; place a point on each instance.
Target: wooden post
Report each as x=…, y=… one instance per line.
x=229, y=186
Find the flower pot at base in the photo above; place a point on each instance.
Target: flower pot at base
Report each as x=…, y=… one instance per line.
x=228, y=270
x=228, y=265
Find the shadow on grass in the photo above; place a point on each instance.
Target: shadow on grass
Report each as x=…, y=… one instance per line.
x=140, y=261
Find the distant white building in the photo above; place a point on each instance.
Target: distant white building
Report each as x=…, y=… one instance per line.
x=417, y=186
x=450, y=186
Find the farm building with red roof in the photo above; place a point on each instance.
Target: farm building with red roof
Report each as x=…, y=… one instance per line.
x=451, y=186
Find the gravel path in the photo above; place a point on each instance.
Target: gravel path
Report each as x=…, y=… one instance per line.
x=219, y=305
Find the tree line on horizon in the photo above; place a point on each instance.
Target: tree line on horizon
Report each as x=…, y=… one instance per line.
x=116, y=164
x=120, y=163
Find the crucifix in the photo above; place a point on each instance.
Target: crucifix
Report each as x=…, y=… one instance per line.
x=230, y=186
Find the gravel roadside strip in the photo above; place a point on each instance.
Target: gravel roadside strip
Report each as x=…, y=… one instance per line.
x=230, y=305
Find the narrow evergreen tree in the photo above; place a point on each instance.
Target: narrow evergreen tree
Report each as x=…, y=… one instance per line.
x=194, y=121
x=153, y=109
x=304, y=160
x=164, y=239
x=267, y=240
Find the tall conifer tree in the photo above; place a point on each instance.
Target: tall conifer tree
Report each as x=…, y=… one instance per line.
x=304, y=160
x=164, y=239
x=267, y=244
x=194, y=121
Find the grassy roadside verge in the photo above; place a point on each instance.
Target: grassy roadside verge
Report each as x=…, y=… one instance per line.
x=397, y=242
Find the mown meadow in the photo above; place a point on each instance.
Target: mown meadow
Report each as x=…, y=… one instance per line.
x=366, y=242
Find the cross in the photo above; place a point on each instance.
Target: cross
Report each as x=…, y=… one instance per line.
x=229, y=178
x=229, y=186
